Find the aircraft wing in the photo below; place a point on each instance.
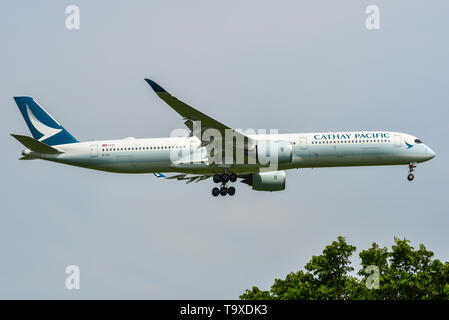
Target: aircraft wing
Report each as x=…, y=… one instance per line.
x=193, y=116
x=185, y=176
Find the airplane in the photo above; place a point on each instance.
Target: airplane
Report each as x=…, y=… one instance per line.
x=195, y=157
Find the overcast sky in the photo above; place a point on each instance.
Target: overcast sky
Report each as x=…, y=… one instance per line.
x=298, y=66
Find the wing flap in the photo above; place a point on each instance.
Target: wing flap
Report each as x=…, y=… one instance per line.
x=189, y=179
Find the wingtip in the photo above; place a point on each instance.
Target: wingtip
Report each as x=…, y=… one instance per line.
x=159, y=175
x=154, y=85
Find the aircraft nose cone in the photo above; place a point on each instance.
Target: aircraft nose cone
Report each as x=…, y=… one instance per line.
x=430, y=153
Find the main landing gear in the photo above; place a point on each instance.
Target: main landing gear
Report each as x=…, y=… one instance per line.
x=411, y=169
x=224, y=179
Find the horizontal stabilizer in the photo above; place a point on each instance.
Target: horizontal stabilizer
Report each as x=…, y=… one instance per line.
x=28, y=158
x=35, y=145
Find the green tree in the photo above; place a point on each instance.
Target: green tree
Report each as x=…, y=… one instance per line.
x=330, y=270
x=404, y=273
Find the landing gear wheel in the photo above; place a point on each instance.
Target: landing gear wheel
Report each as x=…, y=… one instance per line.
x=231, y=191
x=223, y=191
x=215, y=191
x=233, y=177
x=411, y=169
x=225, y=177
x=217, y=178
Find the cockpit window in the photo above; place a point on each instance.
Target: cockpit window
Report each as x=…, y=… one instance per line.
x=418, y=141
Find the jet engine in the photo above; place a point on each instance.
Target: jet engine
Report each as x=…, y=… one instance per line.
x=266, y=181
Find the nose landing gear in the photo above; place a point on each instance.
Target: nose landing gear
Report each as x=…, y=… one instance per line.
x=224, y=179
x=411, y=169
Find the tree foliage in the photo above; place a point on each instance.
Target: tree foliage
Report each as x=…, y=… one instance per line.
x=404, y=273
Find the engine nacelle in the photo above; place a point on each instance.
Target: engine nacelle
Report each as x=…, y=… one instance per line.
x=267, y=181
x=269, y=151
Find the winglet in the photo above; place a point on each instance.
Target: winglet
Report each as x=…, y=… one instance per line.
x=159, y=175
x=155, y=86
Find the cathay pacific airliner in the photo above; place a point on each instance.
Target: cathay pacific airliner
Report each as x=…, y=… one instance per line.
x=214, y=150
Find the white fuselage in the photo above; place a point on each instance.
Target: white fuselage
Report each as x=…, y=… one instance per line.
x=184, y=154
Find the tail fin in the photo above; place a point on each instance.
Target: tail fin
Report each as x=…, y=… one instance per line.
x=42, y=125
